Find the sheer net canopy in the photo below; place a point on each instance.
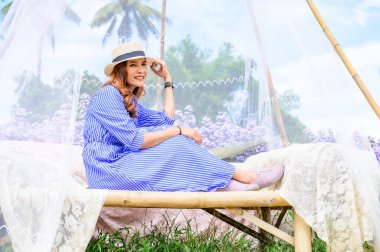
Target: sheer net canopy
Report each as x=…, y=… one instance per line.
x=252, y=76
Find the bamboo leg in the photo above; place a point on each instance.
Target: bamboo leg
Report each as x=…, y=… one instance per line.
x=280, y=217
x=328, y=249
x=302, y=234
x=236, y=224
x=263, y=225
x=265, y=216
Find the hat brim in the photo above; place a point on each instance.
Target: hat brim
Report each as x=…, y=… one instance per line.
x=109, y=68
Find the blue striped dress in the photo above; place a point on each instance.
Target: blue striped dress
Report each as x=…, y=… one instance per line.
x=114, y=160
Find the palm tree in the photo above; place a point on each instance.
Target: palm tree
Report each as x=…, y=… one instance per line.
x=123, y=14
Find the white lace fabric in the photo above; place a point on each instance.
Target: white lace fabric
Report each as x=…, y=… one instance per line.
x=333, y=188
x=322, y=183
x=44, y=208
x=80, y=212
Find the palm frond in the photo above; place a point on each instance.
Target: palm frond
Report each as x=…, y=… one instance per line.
x=72, y=16
x=105, y=14
x=143, y=34
x=5, y=9
x=125, y=29
x=145, y=26
x=110, y=30
x=148, y=11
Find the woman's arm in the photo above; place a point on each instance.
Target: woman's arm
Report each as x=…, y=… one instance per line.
x=169, y=99
x=163, y=72
x=153, y=138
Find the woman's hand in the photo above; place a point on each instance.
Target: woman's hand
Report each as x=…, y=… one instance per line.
x=192, y=133
x=160, y=68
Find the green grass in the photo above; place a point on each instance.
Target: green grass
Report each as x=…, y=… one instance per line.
x=173, y=237
x=176, y=238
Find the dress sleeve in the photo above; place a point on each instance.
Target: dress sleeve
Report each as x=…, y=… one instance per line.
x=108, y=108
x=148, y=117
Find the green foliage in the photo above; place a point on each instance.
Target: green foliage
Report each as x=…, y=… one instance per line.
x=368, y=246
x=189, y=63
x=38, y=97
x=318, y=245
x=294, y=128
x=42, y=99
x=90, y=83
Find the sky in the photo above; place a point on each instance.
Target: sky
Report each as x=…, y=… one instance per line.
x=293, y=48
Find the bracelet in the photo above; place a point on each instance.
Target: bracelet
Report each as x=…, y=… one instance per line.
x=168, y=84
x=180, y=131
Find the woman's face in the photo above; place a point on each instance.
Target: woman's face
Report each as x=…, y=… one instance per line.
x=136, y=72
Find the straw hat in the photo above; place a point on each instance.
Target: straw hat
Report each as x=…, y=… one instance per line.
x=124, y=52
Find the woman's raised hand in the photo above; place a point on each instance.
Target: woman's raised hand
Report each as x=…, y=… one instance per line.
x=192, y=133
x=160, y=68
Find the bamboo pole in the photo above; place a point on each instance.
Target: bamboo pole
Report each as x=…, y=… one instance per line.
x=272, y=92
x=277, y=111
x=280, y=217
x=162, y=50
x=344, y=58
x=264, y=225
x=302, y=234
x=237, y=199
x=236, y=224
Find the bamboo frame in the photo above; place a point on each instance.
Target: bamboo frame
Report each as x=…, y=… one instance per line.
x=264, y=225
x=344, y=58
x=302, y=234
x=232, y=201
x=272, y=92
x=236, y=224
x=162, y=51
x=280, y=217
x=238, y=199
x=276, y=108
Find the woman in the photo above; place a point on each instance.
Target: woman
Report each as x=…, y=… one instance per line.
x=128, y=147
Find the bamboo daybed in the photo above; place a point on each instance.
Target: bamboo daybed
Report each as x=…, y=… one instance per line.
x=236, y=202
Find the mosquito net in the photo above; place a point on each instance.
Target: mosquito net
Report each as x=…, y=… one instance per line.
x=252, y=76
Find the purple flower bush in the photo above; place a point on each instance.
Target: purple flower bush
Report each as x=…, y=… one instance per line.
x=54, y=129
x=375, y=144
x=220, y=132
x=224, y=133
x=358, y=140
x=321, y=136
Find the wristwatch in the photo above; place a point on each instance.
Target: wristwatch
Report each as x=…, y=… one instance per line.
x=168, y=84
